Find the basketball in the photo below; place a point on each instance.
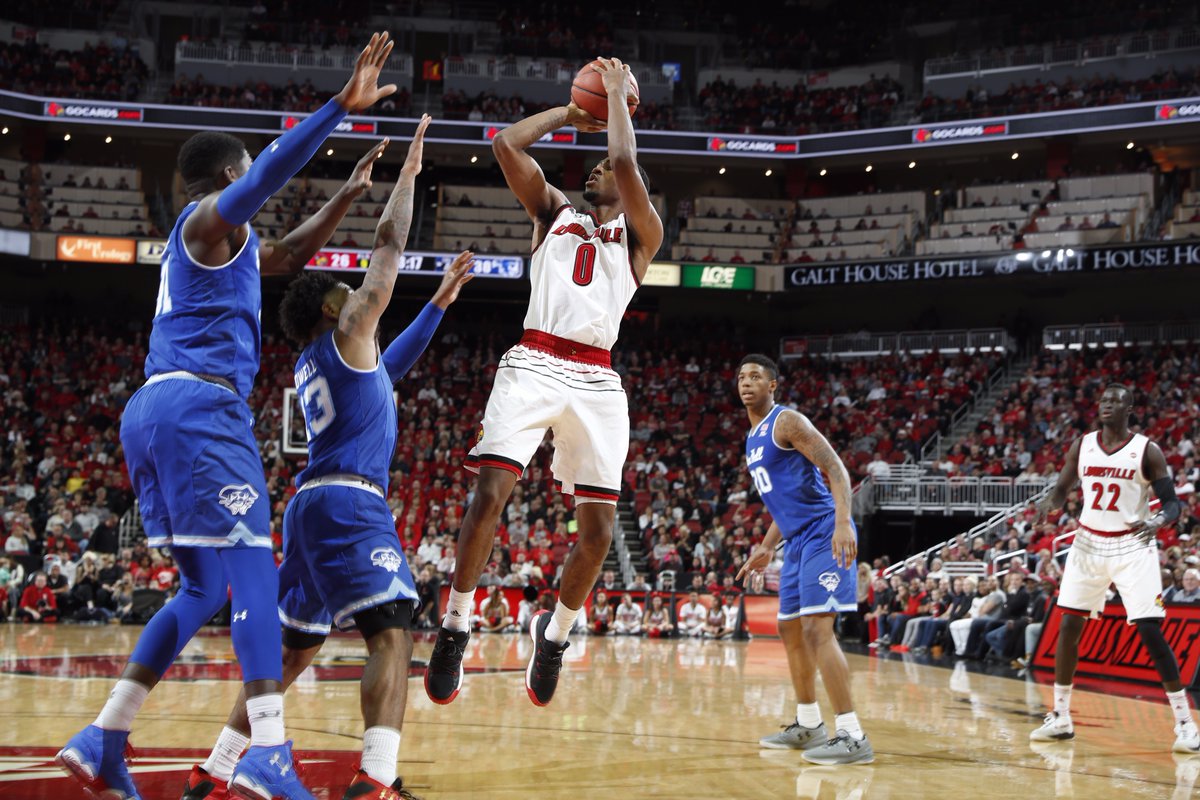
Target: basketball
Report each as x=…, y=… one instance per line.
x=587, y=91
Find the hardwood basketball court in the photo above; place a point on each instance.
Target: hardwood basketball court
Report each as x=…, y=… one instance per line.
x=632, y=719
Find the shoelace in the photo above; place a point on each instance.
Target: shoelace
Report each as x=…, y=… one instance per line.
x=788, y=728
x=549, y=658
x=1051, y=718
x=448, y=649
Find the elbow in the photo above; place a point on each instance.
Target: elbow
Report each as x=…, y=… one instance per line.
x=501, y=147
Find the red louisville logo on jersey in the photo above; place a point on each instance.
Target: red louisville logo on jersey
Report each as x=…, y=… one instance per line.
x=605, y=235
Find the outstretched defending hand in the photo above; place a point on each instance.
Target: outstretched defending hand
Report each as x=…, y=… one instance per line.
x=360, y=179
x=412, y=162
x=458, y=275
x=362, y=90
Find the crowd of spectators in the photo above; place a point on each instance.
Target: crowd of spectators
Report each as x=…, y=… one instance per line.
x=300, y=97
x=559, y=30
x=487, y=107
x=1025, y=98
x=38, y=206
x=799, y=108
x=99, y=71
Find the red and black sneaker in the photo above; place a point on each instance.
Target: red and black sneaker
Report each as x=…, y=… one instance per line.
x=364, y=786
x=541, y=676
x=202, y=786
x=444, y=673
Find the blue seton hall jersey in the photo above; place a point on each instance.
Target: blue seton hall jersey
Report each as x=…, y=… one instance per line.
x=208, y=319
x=350, y=415
x=791, y=486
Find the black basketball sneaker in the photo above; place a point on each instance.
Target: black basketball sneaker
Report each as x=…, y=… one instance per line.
x=444, y=674
x=541, y=676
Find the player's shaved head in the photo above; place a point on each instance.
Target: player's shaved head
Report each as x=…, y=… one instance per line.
x=760, y=360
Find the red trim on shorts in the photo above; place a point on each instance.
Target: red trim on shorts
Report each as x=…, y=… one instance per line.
x=566, y=349
x=1075, y=612
x=1107, y=534
x=473, y=463
x=596, y=495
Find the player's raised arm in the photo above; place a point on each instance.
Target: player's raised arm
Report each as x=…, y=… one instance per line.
x=522, y=173
x=227, y=210
x=406, y=348
x=1154, y=467
x=795, y=429
x=289, y=255
x=359, y=319
x=622, y=156
x=1067, y=478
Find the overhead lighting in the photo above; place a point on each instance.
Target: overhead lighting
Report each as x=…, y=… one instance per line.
x=4, y=131
x=912, y=164
x=329, y=152
x=66, y=137
x=108, y=140
x=474, y=159
x=869, y=168
x=1129, y=146
x=937, y=192
x=721, y=171
x=822, y=173
x=1015, y=156
x=767, y=173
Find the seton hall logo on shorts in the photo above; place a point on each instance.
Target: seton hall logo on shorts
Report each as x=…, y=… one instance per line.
x=238, y=499
x=829, y=581
x=387, y=558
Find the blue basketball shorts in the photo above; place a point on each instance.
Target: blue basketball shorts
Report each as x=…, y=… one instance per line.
x=341, y=555
x=811, y=581
x=193, y=462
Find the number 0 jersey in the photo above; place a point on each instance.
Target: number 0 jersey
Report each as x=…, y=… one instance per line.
x=583, y=278
x=1115, y=492
x=790, y=485
x=350, y=415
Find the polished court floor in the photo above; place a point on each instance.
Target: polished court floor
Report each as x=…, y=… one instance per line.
x=632, y=719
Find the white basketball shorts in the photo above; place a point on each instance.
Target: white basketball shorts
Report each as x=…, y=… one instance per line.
x=549, y=383
x=1096, y=561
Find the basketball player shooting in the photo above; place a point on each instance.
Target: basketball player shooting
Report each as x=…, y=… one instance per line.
x=188, y=436
x=1115, y=543
x=585, y=268
x=786, y=457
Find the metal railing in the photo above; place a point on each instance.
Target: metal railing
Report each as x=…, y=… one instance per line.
x=130, y=528
x=1119, y=334
x=986, y=529
x=1047, y=55
x=273, y=56
x=942, y=495
x=1006, y=559
x=859, y=345
x=933, y=445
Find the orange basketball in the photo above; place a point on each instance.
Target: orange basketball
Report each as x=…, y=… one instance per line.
x=588, y=93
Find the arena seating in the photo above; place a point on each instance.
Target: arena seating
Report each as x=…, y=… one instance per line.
x=1044, y=215
x=72, y=198
x=1186, y=221
x=100, y=72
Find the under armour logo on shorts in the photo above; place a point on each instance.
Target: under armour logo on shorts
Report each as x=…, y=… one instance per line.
x=829, y=581
x=238, y=499
x=240, y=616
x=387, y=558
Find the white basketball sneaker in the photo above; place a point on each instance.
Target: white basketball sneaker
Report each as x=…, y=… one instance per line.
x=1187, y=738
x=1056, y=728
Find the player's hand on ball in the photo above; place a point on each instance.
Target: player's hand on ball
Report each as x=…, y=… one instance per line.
x=615, y=75
x=416, y=150
x=458, y=275
x=360, y=179
x=845, y=544
x=363, y=90
x=582, y=120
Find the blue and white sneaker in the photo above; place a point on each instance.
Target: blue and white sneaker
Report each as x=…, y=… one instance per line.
x=266, y=773
x=96, y=758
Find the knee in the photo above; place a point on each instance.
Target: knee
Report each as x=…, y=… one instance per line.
x=816, y=636
x=390, y=642
x=490, y=497
x=296, y=661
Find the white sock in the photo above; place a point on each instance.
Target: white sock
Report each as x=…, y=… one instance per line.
x=225, y=753
x=808, y=715
x=560, y=624
x=123, y=704
x=848, y=722
x=1181, y=707
x=381, y=748
x=266, y=720
x=458, y=610
x=1062, y=700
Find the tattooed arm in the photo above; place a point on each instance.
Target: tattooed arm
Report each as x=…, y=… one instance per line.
x=359, y=319
x=793, y=430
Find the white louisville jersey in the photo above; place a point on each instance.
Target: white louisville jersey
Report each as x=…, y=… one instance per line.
x=1116, y=493
x=583, y=279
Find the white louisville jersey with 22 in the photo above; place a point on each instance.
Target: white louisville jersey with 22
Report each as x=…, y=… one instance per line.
x=582, y=279
x=1116, y=494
